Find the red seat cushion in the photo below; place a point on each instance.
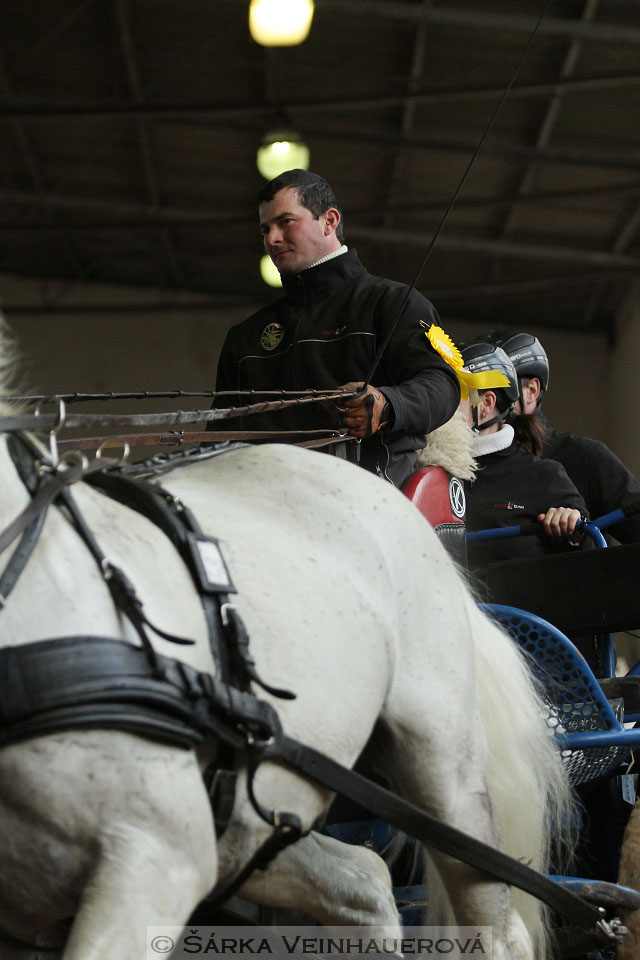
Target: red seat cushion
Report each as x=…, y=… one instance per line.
x=437, y=495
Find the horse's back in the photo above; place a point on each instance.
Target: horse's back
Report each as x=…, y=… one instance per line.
x=335, y=571
x=307, y=540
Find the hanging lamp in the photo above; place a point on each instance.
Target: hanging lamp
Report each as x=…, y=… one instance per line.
x=282, y=150
x=280, y=23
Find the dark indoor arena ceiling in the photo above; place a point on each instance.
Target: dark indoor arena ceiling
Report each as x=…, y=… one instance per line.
x=130, y=129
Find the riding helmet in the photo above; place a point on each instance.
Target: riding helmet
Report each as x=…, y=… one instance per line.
x=483, y=356
x=526, y=352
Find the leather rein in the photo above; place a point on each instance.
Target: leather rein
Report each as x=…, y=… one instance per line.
x=236, y=716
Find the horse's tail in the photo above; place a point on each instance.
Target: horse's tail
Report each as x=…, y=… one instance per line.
x=522, y=762
x=542, y=823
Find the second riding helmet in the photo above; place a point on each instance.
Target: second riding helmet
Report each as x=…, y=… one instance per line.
x=526, y=352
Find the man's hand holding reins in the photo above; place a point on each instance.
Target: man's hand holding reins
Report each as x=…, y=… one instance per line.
x=365, y=414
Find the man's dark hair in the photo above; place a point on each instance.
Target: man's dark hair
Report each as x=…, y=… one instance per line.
x=314, y=192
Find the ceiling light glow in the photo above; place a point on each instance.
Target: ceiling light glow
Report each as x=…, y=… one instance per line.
x=280, y=23
x=282, y=150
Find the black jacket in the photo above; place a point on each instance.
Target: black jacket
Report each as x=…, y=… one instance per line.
x=510, y=486
x=602, y=479
x=325, y=332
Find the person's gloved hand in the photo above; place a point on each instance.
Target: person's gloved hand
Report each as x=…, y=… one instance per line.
x=559, y=521
x=363, y=415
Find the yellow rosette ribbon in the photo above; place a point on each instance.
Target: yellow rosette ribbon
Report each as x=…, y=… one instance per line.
x=483, y=380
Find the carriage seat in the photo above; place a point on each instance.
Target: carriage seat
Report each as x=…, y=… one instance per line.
x=439, y=497
x=588, y=728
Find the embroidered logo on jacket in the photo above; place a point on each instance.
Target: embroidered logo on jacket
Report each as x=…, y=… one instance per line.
x=336, y=332
x=271, y=336
x=509, y=505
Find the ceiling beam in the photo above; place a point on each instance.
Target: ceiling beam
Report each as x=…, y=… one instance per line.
x=532, y=251
x=485, y=20
x=545, y=133
x=34, y=170
x=416, y=238
x=137, y=213
x=625, y=235
x=117, y=305
x=21, y=108
x=144, y=139
x=32, y=57
x=513, y=290
x=124, y=215
x=490, y=148
x=396, y=179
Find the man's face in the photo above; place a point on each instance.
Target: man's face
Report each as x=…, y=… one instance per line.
x=293, y=238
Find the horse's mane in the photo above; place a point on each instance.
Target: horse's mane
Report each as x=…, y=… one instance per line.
x=8, y=367
x=450, y=447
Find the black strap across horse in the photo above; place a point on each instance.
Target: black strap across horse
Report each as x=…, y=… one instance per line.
x=425, y=828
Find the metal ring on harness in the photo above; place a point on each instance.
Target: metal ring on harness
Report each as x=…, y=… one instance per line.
x=73, y=459
x=124, y=456
x=58, y=425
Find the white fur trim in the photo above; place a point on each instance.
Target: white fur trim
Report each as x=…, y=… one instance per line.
x=450, y=447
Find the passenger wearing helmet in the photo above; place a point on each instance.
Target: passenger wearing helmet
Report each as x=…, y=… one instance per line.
x=511, y=484
x=603, y=480
x=531, y=364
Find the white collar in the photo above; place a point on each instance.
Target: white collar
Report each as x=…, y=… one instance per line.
x=493, y=442
x=329, y=256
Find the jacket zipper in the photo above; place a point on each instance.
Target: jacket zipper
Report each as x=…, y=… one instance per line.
x=301, y=411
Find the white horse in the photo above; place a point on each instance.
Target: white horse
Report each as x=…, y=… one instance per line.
x=351, y=602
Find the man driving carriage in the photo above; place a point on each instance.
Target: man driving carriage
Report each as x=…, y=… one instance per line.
x=325, y=332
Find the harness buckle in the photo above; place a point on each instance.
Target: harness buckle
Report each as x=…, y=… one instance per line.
x=610, y=931
x=253, y=738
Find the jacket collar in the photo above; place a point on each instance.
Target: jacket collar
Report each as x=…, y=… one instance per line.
x=324, y=278
x=493, y=442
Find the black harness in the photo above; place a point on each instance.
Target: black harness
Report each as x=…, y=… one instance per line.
x=81, y=681
x=84, y=681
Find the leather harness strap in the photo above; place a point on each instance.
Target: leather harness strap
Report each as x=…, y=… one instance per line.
x=420, y=825
x=51, y=421
x=47, y=492
x=20, y=556
x=313, y=439
x=86, y=681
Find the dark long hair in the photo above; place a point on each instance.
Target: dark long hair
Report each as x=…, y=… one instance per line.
x=530, y=432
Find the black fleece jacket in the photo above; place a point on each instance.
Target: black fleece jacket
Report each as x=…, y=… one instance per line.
x=602, y=479
x=512, y=486
x=325, y=332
